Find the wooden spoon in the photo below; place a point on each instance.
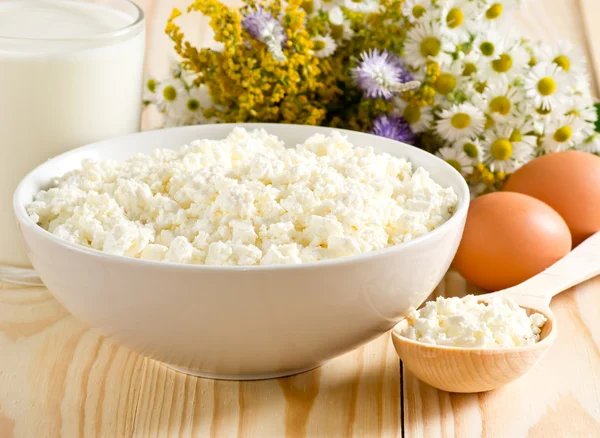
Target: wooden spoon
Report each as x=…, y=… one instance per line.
x=459, y=369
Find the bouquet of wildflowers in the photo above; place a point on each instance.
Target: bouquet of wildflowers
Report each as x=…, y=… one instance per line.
x=444, y=75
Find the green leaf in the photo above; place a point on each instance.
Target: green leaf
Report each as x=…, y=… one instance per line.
x=598, y=121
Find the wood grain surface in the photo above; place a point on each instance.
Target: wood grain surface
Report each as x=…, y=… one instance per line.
x=60, y=378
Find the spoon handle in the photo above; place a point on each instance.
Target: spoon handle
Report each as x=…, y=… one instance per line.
x=579, y=265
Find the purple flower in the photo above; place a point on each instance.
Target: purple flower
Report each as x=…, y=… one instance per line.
x=262, y=26
x=395, y=128
x=382, y=74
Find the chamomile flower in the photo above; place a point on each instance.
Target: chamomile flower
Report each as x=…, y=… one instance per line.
x=503, y=102
x=582, y=106
x=506, y=66
x=525, y=131
x=456, y=158
x=490, y=43
x=170, y=94
x=340, y=28
x=564, y=55
x=546, y=85
x=460, y=19
x=495, y=10
x=502, y=154
x=471, y=147
x=563, y=133
x=590, y=144
x=327, y=5
x=415, y=9
x=364, y=6
x=460, y=121
x=323, y=46
x=381, y=75
x=427, y=41
x=420, y=118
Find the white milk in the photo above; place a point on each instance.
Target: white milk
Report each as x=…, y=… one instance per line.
x=70, y=74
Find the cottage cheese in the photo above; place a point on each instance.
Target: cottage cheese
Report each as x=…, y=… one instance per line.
x=465, y=322
x=245, y=200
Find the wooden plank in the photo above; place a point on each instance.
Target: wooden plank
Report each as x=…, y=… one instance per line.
x=58, y=378
x=590, y=17
x=354, y=395
x=559, y=397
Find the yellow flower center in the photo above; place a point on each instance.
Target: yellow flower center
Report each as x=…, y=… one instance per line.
x=532, y=61
x=489, y=122
x=501, y=149
x=430, y=46
x=469, y=69
x=460, y=121
x=318, y=45
x=487, y=48
x=543, y=111
x=454, y=18
x=471, y=150
x=412, y=114
x=308, y=6
x=418, y=11
x=454, y=163
x=516, y=136
x=494, y=11
x=563, y=62
x=170, y=93
x=546, y=86
x=193, y=104
x=480, y=87
x=337, y=30
x=563, y=134
x=502, y=64
x=500, y=104
x=151, y=85
x=445, y=84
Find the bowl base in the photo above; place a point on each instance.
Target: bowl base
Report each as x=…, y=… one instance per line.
x=212, y=376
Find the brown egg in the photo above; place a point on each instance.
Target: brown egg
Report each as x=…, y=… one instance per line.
x=569, y=182
x=508, y=238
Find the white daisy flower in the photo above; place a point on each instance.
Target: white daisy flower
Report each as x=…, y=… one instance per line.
x=590, y=144
x=364, y=6
x=170, y=95
x=490, y=43
x=524, y=130
x=192, y=112
x=506, y=66
x=456, y=158
x=563, y=133
x=471, y=147
x=547, y=85
x=150, y=86
x=427, y=41
x=419, y=118
x=503, y=102
x=460, y=19
x=502, y=154
x=564, y=55
x=495, y=10
x=460, y=121
x=581, y=105
x=323, y=46
x=415, y=9
x=326, y=5
x=339, y=27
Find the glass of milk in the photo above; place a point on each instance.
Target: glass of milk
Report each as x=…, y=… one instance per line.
x=70, y=74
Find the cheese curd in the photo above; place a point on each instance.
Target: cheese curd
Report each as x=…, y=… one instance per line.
x=245, y=200
x=466, y=322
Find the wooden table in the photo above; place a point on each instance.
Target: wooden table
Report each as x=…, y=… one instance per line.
x=60, y=378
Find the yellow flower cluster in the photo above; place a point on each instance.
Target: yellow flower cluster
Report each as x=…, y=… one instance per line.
x=246, y=83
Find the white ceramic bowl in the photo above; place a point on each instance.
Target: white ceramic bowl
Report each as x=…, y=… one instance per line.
x=240, y=322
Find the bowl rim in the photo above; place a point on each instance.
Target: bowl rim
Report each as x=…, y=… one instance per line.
x=459, y=214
